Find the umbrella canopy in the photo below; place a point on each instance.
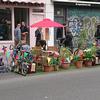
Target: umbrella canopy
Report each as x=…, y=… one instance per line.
x=46, y=23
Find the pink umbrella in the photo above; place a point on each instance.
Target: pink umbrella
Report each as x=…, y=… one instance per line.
x=46, y=23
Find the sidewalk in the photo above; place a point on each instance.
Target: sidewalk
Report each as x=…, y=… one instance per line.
x=9, y=75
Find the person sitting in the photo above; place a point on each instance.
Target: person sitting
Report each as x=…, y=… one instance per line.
x=43, y=44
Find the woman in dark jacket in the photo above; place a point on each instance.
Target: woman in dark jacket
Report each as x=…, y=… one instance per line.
x=24, y=32
x=68, y=38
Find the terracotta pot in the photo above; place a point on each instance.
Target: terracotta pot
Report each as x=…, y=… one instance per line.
x=48, y=68
x=65, y=65
x=88, y=63
x=78, y=64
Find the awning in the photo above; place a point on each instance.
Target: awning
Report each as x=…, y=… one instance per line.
x=40, y=2
x=26, y=1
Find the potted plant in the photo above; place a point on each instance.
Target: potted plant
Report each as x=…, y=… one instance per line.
x=47, y=62
x=47, y=65
x=64, y=63
x=89, y=56
x=78, y=58
x=65, y=57
x=55, y=63
x=77, y=61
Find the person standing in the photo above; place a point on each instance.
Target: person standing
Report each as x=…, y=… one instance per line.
x=97, y=35
x=59, y=33
x=38, y=34
x=24, y=32
x=68, y=38
x=17, y=34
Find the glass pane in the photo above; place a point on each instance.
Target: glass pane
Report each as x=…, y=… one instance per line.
x=5, y=24
x=59, y=12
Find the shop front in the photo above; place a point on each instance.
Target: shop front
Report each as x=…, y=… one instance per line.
x=14, y=12
x=79, y=16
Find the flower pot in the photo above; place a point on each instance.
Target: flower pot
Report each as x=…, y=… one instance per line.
x=48, y=68
x=65, y=65
x=78, y=64
x=88, y=63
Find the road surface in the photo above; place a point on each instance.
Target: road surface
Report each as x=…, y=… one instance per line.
x=68, y=85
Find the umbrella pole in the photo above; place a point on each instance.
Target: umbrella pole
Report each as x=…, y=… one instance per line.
x=63, y=32
x=47, y=44
x=47, y=36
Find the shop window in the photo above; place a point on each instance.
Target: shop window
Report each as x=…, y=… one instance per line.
x=59, y=16
x=59, y=12
x=5, y=24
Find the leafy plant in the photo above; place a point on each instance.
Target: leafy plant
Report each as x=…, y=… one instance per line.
x=78, y=55
x=65, y=55
x=89, y=53
x=82, y=38
x=76, y=58
x=51, y=60
x=54, y=61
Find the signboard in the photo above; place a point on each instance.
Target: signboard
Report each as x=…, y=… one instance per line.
x=38, y=10
x=83, y=4
x=90, y=0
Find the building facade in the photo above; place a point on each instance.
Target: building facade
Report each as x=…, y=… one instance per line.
x=79, y=15
x=13, y=12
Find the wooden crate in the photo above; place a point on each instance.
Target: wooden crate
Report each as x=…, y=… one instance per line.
x=52, y=48
x=37, y=51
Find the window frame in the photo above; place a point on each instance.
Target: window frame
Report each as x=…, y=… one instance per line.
x=12, y=23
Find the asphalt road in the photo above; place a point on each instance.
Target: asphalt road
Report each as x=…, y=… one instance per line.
x=68, y=85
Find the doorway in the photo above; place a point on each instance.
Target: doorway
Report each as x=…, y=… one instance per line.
x=22, y=14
